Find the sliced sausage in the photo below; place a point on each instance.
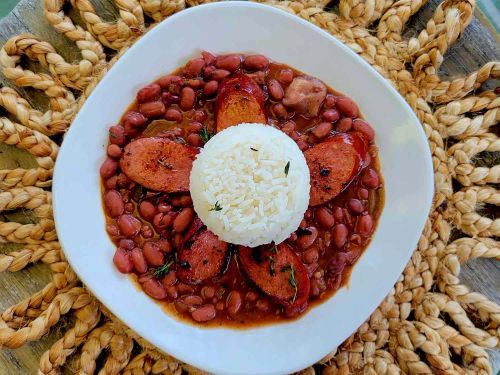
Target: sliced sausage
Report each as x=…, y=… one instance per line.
x=271, y=270
x=159, y=164
x=239, y=100
x=333, y=164
x=305, y=95
x=202, y=257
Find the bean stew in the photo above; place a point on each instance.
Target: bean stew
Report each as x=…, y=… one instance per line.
x=150, y=217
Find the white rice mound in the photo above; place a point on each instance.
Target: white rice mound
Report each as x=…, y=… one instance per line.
x=260, y=203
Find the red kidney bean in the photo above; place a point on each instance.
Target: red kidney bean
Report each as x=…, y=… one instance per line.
x=173, y=114
x=311, y=255
x=208, y=292
x=321, y=130
x=182, y=201
x=208, y=57
x=164, y=245
x=355, y=206
x=219, y=306
x=199, y=115
x=330, y=115
x=134, y=119
x=208, y=70
x=172, y=292
x=131, y=131
x=193, y=67
x=169, y=279
x=211, y=88
x=114, y=151
x=187, y=303
x=280, y=111
x=339, y=235
x=126, y=244
x=153, y=288
x=195, y=84
x=194, y=140
x=113, y=203
x=194, y=127
x=122, y=261
x=149, y=93
x=164, y=208
x=183, y=220
x=285, y=76
x=324, y=217
x=365, y=225
x=146, y=231
x=256, y=62
x=356, y=239
x=129, y=207
x=363, y=193
x=168, y=80
x=363, y=127
x=129, y=226
x=337, y=264
x=162, y=221
x=204, y=313
x=275, y=90
x=306, y=240
x=329, y=101
x=138, y=260
x=263, y=305
x=112, y=230
x=168, y=98
x=288, y=127
x=228, y=62
x=344, y=125
x=186, y=289
x=347, y=106
x=338, y=214
x=234, y=302
x=152, y=109
x=108, y=168
x=188, y=97
x=154, y=256
x=370, y=179
x=110, y=183
x=123, y=181
x=117, y=135
x=251, y=296
x=177, y=240
x=220, y=74
x=147, y=210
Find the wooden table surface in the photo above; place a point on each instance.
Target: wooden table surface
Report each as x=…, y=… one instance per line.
x=479, y=45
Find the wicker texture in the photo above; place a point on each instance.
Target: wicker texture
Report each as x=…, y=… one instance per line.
x=429, y=322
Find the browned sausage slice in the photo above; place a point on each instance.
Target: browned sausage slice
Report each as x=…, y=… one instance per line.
x=159, y=164
x=279, y=273
x=239, y=100
x=203, y=256
x=333, y=164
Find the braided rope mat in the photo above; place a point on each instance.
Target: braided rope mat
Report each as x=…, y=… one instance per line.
x=429, y=322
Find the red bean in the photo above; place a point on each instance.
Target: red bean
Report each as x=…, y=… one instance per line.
x=162, y=221
x=117, y=135
x=126, y=244
x=365, y=225
x=188, y=97
x=154, y=256
x=256, y=62
x=129, y=207
x=195, y=83
x=194, y=127
x=173, y=114
x=234, y=303
x=187, y=303
x=370, y=179
x=149, y=93
x=347, y=106
x=138, y=260
x=208, y=292
x=208, y=57
x=311, y=255
x=193, y=67
x=108, y=168
x=275, y=90
x=134, y=119
x=172, y=292
x=337, y=264
x=110, y=183
x=129, y=226
x=285, y=76
x=355, y=206
x=122, y=261
x=122, y=180
x=363, y=193
x=164, y=208
x=183, y=220
x=330, y=115
x=147, y=210
x=208, y=70
x=211, y=88
x=329, y=101
x=324, y=217
x=112, y=230
x=220, y=74
x=339, y=235
x=114, y=151
x=152, y=109
x=168, y=80
x=154, y=289
x=251, y=296
x=113, y=203
x=263, y=305
x=194, y=140
x=169, y=279
x=164, y=245
x=204, y=313
x=363, y=127
x=199, y=116
x=338, y=214
x=344, y=125
x=146, y=231
x=280, y=111
x=306, y=240
x=228, y=62
x=322, y=130
x=131, y=131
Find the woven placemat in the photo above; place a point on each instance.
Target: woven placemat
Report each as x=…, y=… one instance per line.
x=429, y=322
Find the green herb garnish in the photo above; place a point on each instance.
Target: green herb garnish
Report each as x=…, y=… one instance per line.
x=253, y=149
x=216, y=207
x=163, y=270
x=205, y=135
x=287, y=168
x=271, y=266
x=291, y=280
